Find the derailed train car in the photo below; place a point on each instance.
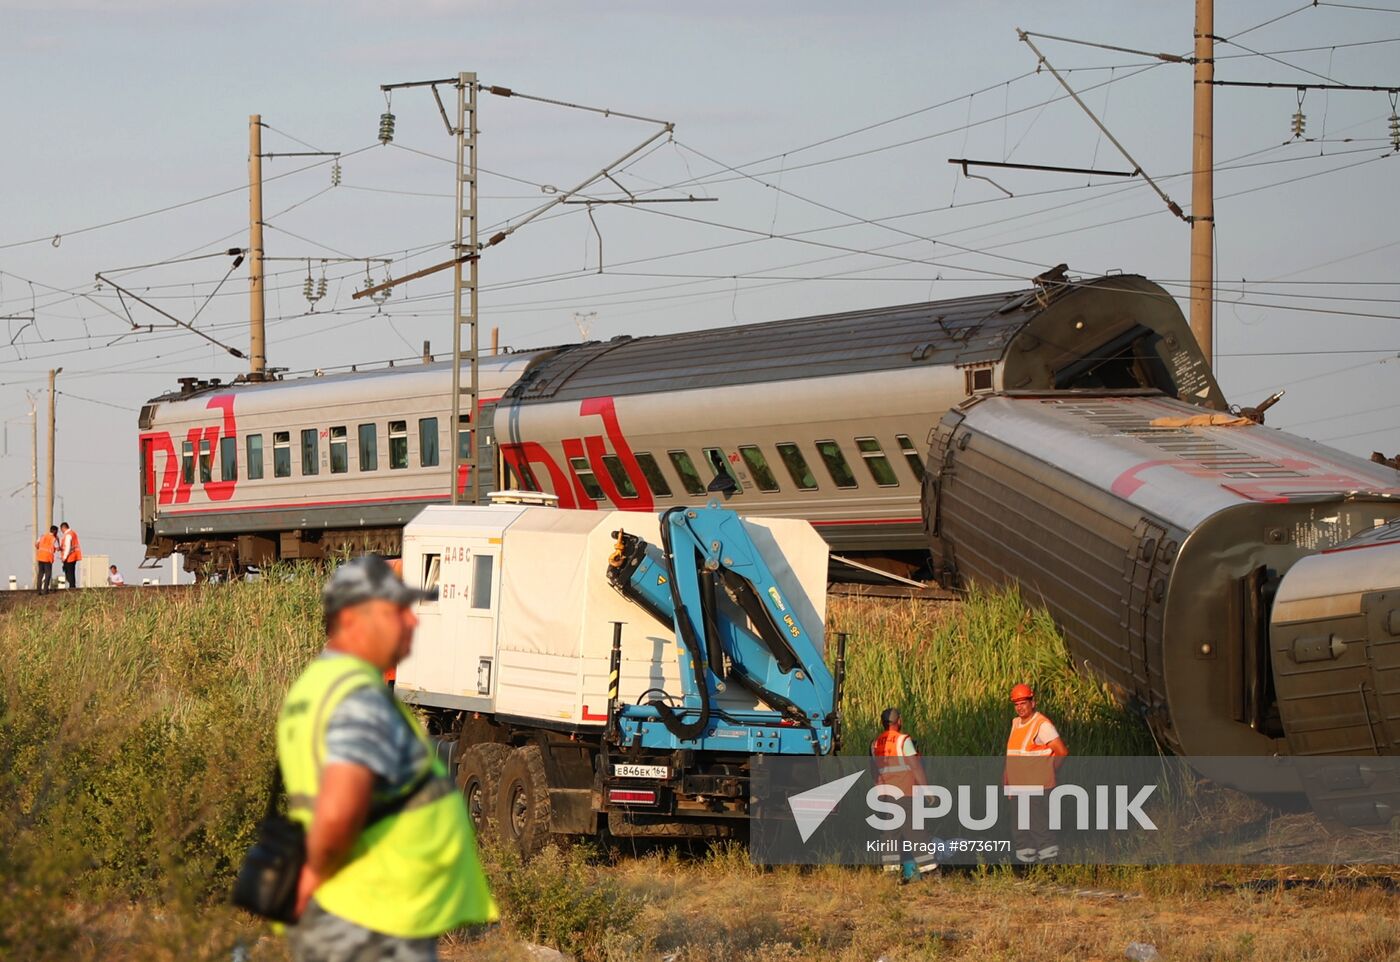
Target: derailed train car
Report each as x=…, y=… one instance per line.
x=1213, y=575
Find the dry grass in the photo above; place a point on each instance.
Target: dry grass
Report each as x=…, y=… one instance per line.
x=723, y=910
x=134, y=741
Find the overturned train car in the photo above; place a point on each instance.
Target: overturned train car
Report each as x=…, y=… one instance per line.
x=1238, y=585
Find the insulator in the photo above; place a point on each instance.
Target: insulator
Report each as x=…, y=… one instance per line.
x=335, y=173
x=1394, y=131
x=1300, y=124
x=386, y=128
x=321, y=287
x=306, y=289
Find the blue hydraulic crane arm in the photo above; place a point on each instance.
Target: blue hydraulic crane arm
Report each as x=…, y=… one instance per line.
x=708, y=565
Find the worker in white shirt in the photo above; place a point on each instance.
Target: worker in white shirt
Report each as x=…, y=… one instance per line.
x=114, y=578
x=1034, y=753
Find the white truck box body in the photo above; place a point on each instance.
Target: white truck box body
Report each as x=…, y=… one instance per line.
x=538, y=647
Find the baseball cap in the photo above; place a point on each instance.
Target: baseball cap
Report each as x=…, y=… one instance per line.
x=368, y=578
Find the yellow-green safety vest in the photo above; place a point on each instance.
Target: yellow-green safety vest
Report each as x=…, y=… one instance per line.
x=411, y=874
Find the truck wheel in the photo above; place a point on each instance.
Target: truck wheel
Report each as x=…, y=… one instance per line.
x=522, y=802
x=479, y=778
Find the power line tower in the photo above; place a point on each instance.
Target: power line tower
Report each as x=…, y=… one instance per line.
x=467, y=249
x=464, y=302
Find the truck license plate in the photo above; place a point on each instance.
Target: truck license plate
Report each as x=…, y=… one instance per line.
x=640, y=771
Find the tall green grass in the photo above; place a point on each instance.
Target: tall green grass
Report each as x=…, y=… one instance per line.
x=135, y=748
x=949, y=670
x=136, y=737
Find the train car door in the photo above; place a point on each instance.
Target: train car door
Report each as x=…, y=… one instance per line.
x=148, y=477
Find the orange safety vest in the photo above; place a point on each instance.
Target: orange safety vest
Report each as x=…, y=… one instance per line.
x=75, y=550
x=1026, y=762
x=893, y=767
x=44, y=549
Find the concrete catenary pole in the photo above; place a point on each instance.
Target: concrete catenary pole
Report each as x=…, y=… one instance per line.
x=1203, y=184
x=34, y=462
x=53, y=435
x=257, y=333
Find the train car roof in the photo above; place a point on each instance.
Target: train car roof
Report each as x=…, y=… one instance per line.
x=1182, y=473
x=366, y=376
x=964, y=330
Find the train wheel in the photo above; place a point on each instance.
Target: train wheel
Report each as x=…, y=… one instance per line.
x=522, y=802
x=479, y=778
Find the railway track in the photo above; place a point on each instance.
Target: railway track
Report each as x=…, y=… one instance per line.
x=27, y=597
x=923, y=593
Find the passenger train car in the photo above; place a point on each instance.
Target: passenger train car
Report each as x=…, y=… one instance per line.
x=824, y=418
x=1237, y=584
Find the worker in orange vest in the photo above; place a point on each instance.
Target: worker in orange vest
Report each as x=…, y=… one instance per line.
x=44, y=550
x=71, y=552
x=1034, y=752
x=897, y=764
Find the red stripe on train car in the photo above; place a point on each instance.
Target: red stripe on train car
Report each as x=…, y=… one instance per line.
x=310, y=504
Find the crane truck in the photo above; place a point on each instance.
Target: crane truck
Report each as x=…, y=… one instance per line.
x=614, y=671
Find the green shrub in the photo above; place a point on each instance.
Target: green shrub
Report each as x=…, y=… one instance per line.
x=560, y=899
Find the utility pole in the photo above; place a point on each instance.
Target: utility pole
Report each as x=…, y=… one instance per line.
x=53, y=434
x=464, y=299
x=34, y=463
x=1203, y=184
x=257, y=333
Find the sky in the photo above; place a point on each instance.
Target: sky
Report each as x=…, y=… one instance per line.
x=816, y=135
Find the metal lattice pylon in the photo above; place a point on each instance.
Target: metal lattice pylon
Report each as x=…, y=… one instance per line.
x=465, y=384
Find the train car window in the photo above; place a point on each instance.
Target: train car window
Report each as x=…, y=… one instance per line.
x=758, y=467
x=796, y=465
x=427, y=442
x=187, y=463
x=877, y=463
x=584, y=471
x=310, y=452
x=618, y=473
x=398, y=445
x=206, y=462
x=652, y=472
x=690, y=478
x=369, y=447
x=482, y=566
x=255, y=457
x=719, y=463
x=340, y=450
x=836, y=464
x=911, y=454
x=228, y=459
x=282, y=454
x=979, y=380
x=464, y=437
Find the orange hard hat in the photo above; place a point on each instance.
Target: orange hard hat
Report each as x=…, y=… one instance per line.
x=1022, y=692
